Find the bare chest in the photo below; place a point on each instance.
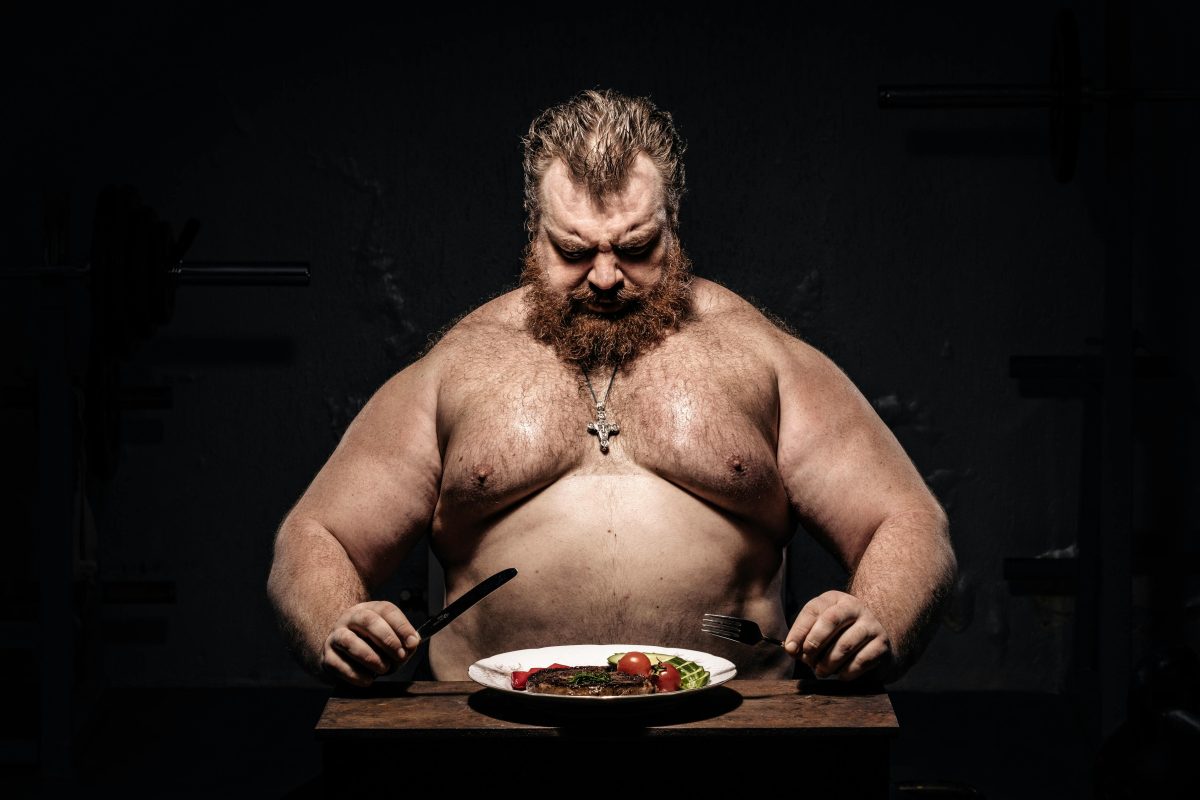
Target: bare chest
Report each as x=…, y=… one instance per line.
x=703, y=417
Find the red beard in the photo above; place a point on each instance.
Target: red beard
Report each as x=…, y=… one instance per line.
x=590, y=339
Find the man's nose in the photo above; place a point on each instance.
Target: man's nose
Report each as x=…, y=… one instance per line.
x=606, y=272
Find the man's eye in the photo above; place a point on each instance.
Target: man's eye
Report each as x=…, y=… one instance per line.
x=636, y=252
x=573, y=255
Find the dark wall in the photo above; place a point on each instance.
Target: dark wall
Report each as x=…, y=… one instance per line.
x=919, y=249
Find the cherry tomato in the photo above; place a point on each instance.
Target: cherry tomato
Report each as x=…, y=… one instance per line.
x=667, y=679
x=634, y=663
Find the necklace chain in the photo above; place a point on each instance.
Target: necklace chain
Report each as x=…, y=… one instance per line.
x=602, y=428
x=600, y=403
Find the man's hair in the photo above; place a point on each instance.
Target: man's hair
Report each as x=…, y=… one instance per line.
x=597, y=134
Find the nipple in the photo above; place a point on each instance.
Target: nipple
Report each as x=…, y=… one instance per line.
x=480, y=473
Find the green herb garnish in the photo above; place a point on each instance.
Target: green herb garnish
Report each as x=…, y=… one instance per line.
x=590, y=679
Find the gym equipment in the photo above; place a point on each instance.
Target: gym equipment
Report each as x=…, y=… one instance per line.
x=135, y=268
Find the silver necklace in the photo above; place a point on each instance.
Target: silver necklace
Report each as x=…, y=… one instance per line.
x=602, y=427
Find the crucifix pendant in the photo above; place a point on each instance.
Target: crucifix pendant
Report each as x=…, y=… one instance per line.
x=603, y=428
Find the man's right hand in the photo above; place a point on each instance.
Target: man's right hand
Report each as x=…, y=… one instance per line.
x=370, y=639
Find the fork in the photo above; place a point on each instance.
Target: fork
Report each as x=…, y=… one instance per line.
x=736, y=629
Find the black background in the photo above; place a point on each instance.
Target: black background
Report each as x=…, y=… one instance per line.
x=920, y=249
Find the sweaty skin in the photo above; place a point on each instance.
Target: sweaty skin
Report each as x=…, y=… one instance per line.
x=731, y=432
x=686, y=513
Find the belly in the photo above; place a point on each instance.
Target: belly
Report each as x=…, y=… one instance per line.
x=613, y=558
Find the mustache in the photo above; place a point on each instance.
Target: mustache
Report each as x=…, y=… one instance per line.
x=622, y=294
x=579, y=335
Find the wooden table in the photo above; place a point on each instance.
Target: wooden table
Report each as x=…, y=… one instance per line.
x=803, y=736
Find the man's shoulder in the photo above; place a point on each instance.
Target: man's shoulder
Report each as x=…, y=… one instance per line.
x=727, y=311
x=477, y=331
x=501, y=316
x=711, y=299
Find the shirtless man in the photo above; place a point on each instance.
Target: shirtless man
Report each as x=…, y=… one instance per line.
x=731, y=431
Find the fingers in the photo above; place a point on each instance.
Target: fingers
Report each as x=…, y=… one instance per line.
x=377, y=631
x=808, y=617
x=836, y=634
x=400, y=624
x=352, y=659
x=369, y=640
x=872, y=655
x=843, y=648
x=340, y=669
x=826, y=630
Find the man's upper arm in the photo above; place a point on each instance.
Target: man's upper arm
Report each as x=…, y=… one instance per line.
x=844, y=470
x=377, y=491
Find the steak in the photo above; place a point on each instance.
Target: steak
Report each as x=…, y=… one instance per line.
x=588, y=682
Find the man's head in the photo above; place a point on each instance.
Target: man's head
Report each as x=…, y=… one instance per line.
x=606, y=274
x=596, y=135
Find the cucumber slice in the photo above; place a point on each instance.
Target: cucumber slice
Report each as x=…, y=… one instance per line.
x=691, y=674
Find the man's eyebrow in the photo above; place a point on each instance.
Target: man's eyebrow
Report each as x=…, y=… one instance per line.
x=634, y=240
x=640, y=238
x=568, y=240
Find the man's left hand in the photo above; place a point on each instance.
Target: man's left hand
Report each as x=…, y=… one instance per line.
x=836, y=634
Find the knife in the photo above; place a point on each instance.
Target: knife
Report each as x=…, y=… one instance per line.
x=451, y=612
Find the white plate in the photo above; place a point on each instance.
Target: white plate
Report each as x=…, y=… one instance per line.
x=496, y=672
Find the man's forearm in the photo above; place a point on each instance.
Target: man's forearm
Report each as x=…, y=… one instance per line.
x=312, y=583
x=903, y=576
